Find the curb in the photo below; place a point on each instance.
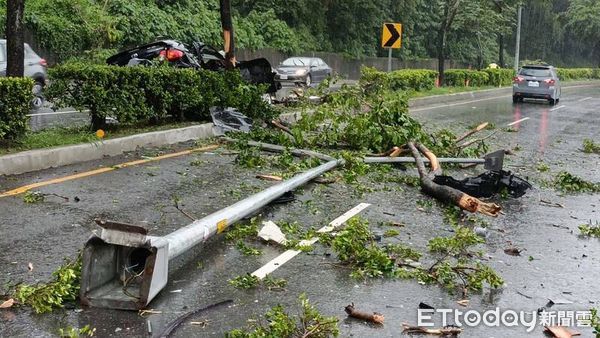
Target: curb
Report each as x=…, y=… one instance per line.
x=479, y=94
x=34, y=160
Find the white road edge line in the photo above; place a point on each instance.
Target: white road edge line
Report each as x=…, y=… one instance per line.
x=58, y=113
x=518, y=121
x=557, y=108
x=458, y=103
x=585, y=99
x=289, y=254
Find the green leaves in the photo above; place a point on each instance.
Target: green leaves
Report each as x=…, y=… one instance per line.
x=63, y=288
x=277, y=323
x=590, y=230
x=569, y=183
x=15, y=103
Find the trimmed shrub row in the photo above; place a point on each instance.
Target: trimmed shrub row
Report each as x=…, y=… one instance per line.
x=152, y=94
x=405, y=79
x=578, y=73
x=15, y=103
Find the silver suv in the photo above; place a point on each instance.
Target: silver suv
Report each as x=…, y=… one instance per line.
x=537, y=82
x=35, y=68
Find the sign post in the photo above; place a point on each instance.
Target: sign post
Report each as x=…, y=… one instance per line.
x=391, y=38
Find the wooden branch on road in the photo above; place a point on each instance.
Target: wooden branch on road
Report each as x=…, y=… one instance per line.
x=444, y=193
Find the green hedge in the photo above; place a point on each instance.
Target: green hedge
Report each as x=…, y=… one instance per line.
x=405, y=79
x=15, y=103
x=578, y=73
x=500, y=77
x=152, y=94
x=416, y=79
x=466, y=78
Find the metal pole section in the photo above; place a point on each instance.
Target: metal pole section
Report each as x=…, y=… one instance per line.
x=518, y=43
x=200, y=230
x=412, y=160
x=389, y=60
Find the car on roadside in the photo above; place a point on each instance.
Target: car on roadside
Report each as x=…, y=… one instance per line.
x=302, y=71
x=537, y=82
x=35, y=68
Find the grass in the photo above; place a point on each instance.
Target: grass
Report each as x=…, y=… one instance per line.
x=62, y=136
x=448, y=90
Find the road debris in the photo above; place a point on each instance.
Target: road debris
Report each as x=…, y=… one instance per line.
x=513, y=251
x=374, y=317
x=449, y=330
x=175, y=324
x=561, y=331
x=445, y=193
x=270, y=232
x=551, y=204
x=463, y=302
x=488, y=184
x=270, y=177
x=30, y=266
x=229, y=119
x=8, y=303
x=477, y=129
x=148, y=312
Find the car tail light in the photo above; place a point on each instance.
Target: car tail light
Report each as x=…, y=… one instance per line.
x=550, y=81
x=43, y=62
x=518, y=79
x=171, y=54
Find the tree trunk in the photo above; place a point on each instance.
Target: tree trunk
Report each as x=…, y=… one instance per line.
x=501, y=50
x=441, y=54
x=14, y=38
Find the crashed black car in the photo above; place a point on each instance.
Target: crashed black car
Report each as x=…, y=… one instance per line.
x=199, y=56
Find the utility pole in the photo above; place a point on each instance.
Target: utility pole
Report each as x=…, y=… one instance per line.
x=518, y=45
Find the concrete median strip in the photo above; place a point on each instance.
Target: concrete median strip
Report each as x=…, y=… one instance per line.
x=34, y=160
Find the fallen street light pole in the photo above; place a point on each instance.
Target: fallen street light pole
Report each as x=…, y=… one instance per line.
x=124, y=268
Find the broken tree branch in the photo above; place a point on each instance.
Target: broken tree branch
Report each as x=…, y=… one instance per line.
x=473, y=131
x=279, y=125
x=444, y=193
x=443, y=331
x=468, y=143
x=374, y=317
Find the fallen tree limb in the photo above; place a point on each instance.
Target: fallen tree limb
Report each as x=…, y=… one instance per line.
x=279, y=125
x=444, y=193
x=473, y=131
x=393, y=152
x=443, y=331
x=374, y=317
x=468, y=143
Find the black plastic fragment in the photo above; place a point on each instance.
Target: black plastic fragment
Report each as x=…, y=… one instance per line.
x=487, y=184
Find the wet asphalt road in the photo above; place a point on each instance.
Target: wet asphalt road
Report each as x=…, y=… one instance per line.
x=564, y=265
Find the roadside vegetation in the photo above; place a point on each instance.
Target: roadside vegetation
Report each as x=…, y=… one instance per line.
x=277, y=322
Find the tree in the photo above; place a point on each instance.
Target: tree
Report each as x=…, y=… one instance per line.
x=584, y=19
x=14, y=38
x=449, y=9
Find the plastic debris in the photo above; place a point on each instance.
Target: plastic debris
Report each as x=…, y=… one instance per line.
x=230, y=119
x=487, y=184
x=271, y=232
